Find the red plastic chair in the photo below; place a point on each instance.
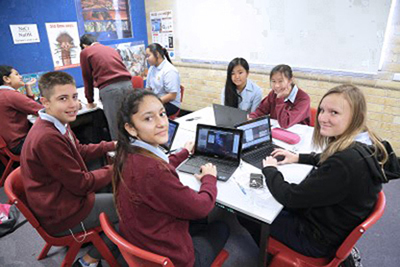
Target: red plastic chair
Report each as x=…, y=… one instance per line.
x=174, y=116
x=136, y=257
x=284, y=256
x=14, y=189
x=7, y=158
x=313, y=116
x=137, y=82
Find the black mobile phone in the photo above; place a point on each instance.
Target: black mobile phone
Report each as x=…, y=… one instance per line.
x=256, y=180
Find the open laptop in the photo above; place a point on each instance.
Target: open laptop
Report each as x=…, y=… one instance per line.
x=172, y=130
x=257, y=141
x=227, y=116
x=218, y=145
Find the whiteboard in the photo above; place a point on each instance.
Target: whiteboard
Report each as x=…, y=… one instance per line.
x=333, y=35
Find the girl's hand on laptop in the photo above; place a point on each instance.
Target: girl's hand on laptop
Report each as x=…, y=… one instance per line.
x=270, y=162
x=289, y=157
x=206, y=169
x=189, y=146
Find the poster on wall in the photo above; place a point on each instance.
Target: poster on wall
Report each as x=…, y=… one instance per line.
x=106, y=19
x=25, y=33
x=133, y=55
x=35, y=87
x=64, y=44
x=162, y=30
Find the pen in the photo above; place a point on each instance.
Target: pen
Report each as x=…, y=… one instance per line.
x=241, y=187
x=192, y=119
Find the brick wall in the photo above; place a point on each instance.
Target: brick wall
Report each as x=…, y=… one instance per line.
x=203, y=82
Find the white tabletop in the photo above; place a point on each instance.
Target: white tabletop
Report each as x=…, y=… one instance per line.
x=82, y=98
x=257, y=203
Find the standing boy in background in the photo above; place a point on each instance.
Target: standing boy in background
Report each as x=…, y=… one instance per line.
x=58, y=186
x=102, y=67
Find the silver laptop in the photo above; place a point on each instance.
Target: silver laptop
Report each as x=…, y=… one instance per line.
x=257, y=141
x=227, y=116
x=218, y=145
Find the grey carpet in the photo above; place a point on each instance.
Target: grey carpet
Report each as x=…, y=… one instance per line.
x=379, y=246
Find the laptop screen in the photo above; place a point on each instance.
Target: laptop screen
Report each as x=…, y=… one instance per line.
x=172, y=129
x=255, y=132
x=228, y=116
x=220, y=142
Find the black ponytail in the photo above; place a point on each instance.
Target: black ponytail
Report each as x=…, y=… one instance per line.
x=129, y=107
x=156, y=49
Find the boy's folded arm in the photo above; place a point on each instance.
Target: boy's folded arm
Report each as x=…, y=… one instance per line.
x=25, y=104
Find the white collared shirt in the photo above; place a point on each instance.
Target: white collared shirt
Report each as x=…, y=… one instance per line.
x=59, y=126
x=6, y=87
x=155, y=150
x=292, y=96
x=251, y=97
x=164, y=79
x=363, y=138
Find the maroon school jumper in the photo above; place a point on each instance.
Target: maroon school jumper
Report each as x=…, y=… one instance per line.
x=101, y=66
x=14, y=108
x=58, y=186
x=155, y=207
x=287, y=113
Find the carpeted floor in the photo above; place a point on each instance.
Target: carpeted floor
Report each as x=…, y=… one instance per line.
x=379, y=246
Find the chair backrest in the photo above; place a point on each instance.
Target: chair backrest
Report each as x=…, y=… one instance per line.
x=344, y=250
x=14, y=189
x=133, y=255
x=137, y=82
x=313, y=116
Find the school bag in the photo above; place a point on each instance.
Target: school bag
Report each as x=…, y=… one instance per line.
x=8, y=218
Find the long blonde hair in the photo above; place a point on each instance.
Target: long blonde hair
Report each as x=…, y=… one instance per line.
x=358, y=124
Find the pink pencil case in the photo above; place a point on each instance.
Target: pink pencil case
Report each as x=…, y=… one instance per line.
x=285, y=136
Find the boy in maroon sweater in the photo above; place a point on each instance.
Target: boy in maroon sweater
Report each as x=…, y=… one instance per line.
x=102, y=67
x=58, y=186
x=14, y=108
x=286, y=102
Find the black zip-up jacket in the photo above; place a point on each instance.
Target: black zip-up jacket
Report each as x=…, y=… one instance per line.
x=334, y=198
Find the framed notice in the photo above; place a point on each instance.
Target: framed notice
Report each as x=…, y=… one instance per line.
x=106, y=19
x=64, y=44
x=25, y=33
x=162, y=30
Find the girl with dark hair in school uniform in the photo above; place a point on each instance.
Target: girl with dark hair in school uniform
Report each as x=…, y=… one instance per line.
x=163, y=78
x=341, y=191
x=155, y=209
x=240, y=92
x=286, y=102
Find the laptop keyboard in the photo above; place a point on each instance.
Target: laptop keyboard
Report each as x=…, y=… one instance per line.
x=222, y=165
x=225, y=168
x=255, y=157
x=260, y=153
